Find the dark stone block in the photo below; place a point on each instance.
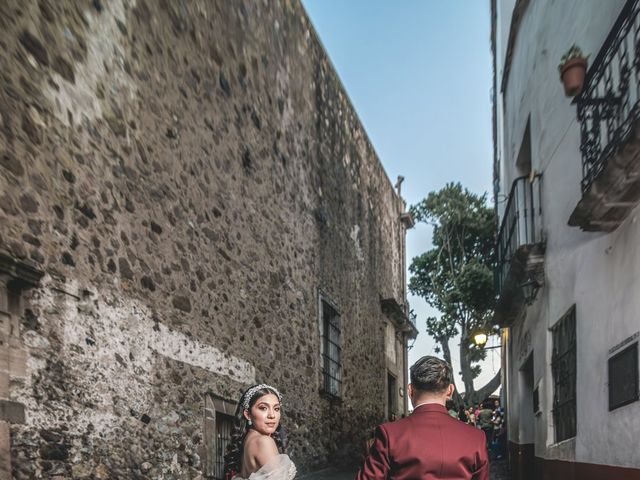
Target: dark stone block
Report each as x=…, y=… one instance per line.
x=12, y=164
x=210, y=234
x=171, y=133
x=31, y=129
x=247, y=163
x=12, y=412
x=145, y=419
x=156, y=228
x=125, y=268
x=58, y=210
x=69, y=176
x=36, y=256
x=86, y=210
x=111, y=266
x=67, y=259
x=28, y=204
x=46, y=11
x=256, y=120
x=54, y=451
x=117, y=126
x=30, y=320
x=34, y=47
x=122, y=27
x=120, y=360
x=129, y=206
x=182, y=303
x=147, y=283
x=74, y=242
x=35, y=226
x=63, y=68
x=30, y=239
x=224, y=84
x=50, y=436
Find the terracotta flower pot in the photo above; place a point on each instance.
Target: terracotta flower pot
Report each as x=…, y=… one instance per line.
x=572, y=76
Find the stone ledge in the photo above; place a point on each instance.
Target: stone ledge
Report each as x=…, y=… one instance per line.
x=25, y=274
x=614, y=193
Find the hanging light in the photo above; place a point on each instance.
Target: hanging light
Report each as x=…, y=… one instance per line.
x=530, y=290
x=480, y=338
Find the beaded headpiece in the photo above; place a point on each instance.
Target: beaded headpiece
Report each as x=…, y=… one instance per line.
x=253, y=390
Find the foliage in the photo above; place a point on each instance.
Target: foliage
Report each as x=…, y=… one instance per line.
x=455, y=276
x=572, y=53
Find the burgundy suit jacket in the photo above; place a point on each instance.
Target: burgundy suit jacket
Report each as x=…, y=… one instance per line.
x=428, y=445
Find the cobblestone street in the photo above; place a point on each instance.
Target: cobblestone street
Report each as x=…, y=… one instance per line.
x=499, y=471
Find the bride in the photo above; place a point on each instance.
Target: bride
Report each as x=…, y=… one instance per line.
x=257, y=448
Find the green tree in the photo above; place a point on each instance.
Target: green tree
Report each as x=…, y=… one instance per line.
x=455, y=277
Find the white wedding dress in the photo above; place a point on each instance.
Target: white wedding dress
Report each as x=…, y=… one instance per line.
x=279, y=467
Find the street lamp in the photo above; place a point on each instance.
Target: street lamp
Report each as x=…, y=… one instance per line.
x=530, y=290
x=480, y=338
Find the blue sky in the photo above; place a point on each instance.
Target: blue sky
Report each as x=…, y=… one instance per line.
x=419, y=75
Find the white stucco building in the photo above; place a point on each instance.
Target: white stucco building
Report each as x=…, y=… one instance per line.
x=567, y=185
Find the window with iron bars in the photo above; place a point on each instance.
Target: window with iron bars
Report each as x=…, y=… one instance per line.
x=218, y=427
x=563, y=368
x=331, y=350
x=623, y=377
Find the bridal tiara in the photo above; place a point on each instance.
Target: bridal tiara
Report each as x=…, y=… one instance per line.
x=253, y=390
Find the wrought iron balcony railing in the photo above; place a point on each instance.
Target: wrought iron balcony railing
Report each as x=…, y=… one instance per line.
x=609, y=104
x=521, y=224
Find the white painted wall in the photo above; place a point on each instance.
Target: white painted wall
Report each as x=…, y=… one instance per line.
x=126, y=328
x=598, y=272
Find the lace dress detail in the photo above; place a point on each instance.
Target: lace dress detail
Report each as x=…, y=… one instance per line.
x=279, y=467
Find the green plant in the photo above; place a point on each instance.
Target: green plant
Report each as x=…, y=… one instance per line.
x=573, y=53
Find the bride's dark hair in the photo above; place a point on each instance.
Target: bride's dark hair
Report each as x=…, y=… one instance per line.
x=233, y=455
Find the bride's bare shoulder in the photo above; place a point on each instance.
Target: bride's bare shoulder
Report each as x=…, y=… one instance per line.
x=260, y=441
x=261, y=447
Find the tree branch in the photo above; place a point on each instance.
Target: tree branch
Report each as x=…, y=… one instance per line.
x=481, y=394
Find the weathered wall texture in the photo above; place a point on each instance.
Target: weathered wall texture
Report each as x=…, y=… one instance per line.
x=188, y=175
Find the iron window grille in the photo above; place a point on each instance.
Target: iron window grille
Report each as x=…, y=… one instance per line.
x=563, y=368
x=224, y=427
x=623, y=377
x=331, y=349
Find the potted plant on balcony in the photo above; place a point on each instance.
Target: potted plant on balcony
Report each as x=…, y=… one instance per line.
x=573, y=68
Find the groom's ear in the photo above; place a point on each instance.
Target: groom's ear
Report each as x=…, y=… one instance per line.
x=410, y=391
x=450, y=390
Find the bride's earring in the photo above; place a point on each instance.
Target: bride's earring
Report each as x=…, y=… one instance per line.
x=250, y=422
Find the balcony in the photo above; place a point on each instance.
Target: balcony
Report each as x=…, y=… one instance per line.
x=609, y=114
x=400, y=315
x=519, y=250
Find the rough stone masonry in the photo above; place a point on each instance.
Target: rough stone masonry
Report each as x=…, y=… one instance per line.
x=180, y=181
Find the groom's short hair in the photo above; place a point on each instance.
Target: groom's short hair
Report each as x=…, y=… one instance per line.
x=430, y=374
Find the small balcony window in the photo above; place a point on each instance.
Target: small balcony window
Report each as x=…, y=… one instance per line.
x=623, y=377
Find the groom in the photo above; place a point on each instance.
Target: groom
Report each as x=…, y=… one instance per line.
x=429, y=444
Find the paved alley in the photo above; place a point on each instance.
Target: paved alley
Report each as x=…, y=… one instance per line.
x=499, y=471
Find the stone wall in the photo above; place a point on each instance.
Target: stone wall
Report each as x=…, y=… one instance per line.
x=188, y=176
